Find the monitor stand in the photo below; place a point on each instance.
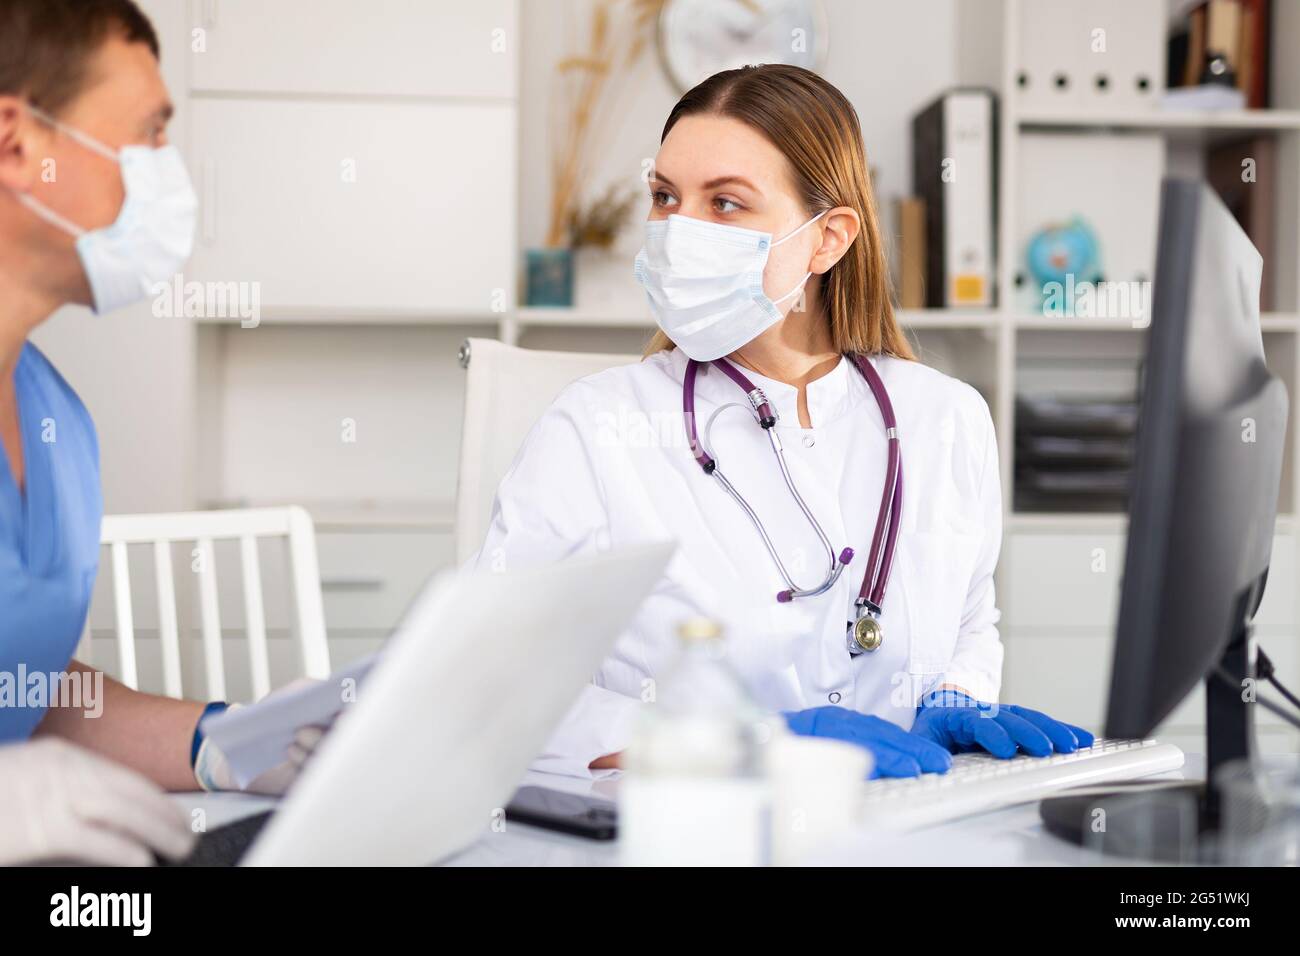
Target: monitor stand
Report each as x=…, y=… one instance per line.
x=1230, y=735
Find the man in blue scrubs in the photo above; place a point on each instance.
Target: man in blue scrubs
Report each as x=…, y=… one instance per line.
x=95, y=207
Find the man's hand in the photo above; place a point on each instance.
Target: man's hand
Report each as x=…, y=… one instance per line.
x=61, y=803
x=212, y=769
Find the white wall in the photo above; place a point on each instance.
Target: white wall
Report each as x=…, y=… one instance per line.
x=136, y=372
x=888, y=57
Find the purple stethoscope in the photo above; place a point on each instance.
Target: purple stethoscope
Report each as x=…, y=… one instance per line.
x=864, y=633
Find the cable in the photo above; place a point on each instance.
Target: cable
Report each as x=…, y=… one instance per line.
x=1264, y=669
x=1268, y=705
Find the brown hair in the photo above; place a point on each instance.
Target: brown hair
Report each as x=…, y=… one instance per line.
x=816, y=128
x=46, y=45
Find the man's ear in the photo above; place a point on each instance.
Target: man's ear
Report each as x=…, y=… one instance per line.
x=841, y=228
x=19, y=166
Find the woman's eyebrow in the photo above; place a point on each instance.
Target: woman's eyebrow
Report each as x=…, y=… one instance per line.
x=712, y=183
x=732, y=180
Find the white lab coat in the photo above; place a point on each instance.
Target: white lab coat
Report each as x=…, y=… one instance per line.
x=607, y=465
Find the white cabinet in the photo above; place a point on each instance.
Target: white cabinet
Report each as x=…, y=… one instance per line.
x=370, y=578
x=376, y=206
x=355, y=47
x=1059, y=582
x=1070, y=582
x=1060, y=604
x=1065, y=676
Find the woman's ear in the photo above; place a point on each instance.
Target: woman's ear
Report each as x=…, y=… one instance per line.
x=841, y=227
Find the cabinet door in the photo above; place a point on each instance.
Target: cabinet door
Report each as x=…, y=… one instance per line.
x=355, y=47
x=1061, y=583
x=358, y=207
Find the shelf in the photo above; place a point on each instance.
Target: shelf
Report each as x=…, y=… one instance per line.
x=1069, y=522
x=613, y=317
x=621, y=318
x=1203, y=122
x=1065, y=522
x=949, y=318
x=1268, y=322
x=283, y=315
x=1032, y=322
x=910, y=318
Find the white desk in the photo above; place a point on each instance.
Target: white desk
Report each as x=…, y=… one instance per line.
x=1011, y=837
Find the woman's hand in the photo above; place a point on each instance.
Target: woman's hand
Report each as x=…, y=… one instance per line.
x=958, y=723
x=897, y=753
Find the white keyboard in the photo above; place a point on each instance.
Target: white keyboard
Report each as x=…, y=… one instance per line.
x=978, y=781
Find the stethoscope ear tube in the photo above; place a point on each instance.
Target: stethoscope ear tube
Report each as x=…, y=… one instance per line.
x=881, y=557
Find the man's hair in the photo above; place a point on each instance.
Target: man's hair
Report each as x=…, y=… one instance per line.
x=46, y=45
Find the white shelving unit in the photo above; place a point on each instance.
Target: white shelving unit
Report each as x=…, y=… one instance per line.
x=1060, y=573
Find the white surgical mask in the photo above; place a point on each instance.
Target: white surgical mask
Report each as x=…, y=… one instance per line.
x=154, y=233
x=704, y=281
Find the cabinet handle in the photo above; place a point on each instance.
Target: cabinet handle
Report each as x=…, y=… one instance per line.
x=352, y=584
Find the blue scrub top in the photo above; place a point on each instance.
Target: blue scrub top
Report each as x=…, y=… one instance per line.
x=49, y=537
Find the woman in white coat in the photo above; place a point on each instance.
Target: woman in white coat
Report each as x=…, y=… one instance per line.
x=764, y=267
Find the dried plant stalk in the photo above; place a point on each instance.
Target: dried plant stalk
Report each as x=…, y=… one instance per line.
x=615, y=41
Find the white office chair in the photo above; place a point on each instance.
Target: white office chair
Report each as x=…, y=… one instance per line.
x=203, y=528
x=506, y=391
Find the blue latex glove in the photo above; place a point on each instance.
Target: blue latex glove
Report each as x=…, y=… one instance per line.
x=897, y=753
x=960, y=723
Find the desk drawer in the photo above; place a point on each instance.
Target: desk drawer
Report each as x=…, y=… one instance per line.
x=1062, y=582
x=369, y=578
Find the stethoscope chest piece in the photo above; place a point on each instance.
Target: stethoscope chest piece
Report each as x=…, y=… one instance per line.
x=866, y=635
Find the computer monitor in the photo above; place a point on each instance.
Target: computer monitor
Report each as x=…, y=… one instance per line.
x=1204, y=490
x=1207, y=471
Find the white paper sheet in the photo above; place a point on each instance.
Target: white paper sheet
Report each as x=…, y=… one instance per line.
x=255, y=737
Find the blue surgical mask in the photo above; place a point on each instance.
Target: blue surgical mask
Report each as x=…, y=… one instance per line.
x=153, y=235
x=704, y=281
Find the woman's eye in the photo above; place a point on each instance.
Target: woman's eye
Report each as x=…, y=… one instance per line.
x=661, y=198
x=725, y=205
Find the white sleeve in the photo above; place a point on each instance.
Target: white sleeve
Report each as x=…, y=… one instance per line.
x=976, y=663
x=599, y=723
x=551, y=506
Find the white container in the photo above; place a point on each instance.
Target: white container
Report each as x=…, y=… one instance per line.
x=693, y=821
x=696, y=792
x=817, y=790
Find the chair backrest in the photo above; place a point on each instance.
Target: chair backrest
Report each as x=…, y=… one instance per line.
x=506, y=390
x=203, y=528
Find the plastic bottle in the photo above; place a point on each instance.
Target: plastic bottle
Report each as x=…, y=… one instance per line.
x=695, y=792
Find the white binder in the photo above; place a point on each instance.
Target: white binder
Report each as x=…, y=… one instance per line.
x=1090, y=55
x=969, y=211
